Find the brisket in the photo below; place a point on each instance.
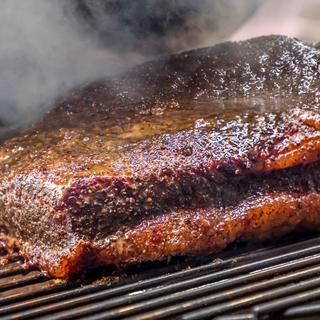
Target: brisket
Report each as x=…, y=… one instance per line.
x=179, y=156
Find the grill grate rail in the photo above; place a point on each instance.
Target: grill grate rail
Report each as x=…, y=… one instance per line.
x=280, y=280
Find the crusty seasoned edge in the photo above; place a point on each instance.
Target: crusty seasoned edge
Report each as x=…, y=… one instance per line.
x=33, y=192
x=37, y=206
x=184, y=232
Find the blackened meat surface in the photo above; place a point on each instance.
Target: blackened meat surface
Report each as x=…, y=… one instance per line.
x=179, y=156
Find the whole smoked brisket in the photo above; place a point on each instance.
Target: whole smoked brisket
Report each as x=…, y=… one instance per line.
x=179, y=156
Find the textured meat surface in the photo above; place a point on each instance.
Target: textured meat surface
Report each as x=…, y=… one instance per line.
x=179, y=156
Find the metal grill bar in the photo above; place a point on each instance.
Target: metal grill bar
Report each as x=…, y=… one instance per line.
x=238, y=317
x=27, y=280
x=87, y=294
x=24, y=295
x=197, y=292
x=227, y=295
x=250, y=300
x=267, y=281
x=13, y=269
x=301, y=311
x=161, y=291
x=185, y=274
x=278, y=305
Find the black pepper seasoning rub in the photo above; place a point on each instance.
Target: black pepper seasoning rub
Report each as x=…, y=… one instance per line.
x=179, y=156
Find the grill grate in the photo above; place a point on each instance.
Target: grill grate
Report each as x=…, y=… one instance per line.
x=274, y=281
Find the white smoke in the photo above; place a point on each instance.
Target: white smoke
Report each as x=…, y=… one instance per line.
x=44, y=52
x=49, y=46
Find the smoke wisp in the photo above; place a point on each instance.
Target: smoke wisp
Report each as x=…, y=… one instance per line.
x=48, y=47
x=43, y=53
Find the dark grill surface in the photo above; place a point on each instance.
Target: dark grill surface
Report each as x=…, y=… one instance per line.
x=279, y=280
